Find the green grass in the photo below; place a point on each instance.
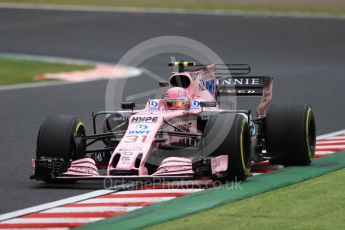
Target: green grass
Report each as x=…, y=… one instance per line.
x=314, y=204
x=197, y=5
x=14, y=71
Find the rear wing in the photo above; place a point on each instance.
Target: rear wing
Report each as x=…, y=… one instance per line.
x=243, y=85
x=248, y=86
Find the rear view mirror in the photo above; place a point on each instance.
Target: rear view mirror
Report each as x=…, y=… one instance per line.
x=208, y=103
x=163, y=84
x=127, y=105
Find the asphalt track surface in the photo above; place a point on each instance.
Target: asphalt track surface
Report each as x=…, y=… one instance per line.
x=306, y=57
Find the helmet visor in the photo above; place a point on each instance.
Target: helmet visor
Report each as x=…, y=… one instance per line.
x=176, y=102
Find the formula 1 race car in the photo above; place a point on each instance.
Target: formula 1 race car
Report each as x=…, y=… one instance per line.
x=185, y=135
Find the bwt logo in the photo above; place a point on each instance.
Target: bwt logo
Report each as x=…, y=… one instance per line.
x=139, y=132
x=154, y=104
x=141, y=127
x=196, y=104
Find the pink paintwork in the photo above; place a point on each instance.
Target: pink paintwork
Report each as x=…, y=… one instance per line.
x=219, y=164
x=84, y=167
x=265, y=100
x=142, y=137
x=174, y=166
x=139, y=140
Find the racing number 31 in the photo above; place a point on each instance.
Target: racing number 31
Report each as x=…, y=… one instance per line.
x=136, y=138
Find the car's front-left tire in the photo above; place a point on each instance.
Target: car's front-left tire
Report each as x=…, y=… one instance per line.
x=60, y=141
x=60, y=136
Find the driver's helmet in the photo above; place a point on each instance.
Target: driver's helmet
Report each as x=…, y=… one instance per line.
x=177, y=98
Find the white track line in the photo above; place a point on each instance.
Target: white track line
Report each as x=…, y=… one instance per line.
x=332, y=142
x=50, y=220
x=323, y=152
x=329, y=135
x=334, y=138
x=99, y=9
x=160, y=191
x=330, y=147
x=126, y=200
x=92, y=209
x=40, y=228
x=54, y=204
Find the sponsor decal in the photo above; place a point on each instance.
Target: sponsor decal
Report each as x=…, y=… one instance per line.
x=241, y=81
x=120, y=118
x=141, y=127
x=139, y=132
x=154, y=105
x=144, y=119
x=131, y=148
x=195, y=105
x=209, y=85
x=125, y=160
x=202, y=86
x=202, y=75
x=239, y=91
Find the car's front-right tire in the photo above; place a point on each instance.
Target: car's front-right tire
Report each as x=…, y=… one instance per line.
x=229, y=134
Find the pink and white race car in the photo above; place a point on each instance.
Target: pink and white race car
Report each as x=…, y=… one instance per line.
x=185, y=135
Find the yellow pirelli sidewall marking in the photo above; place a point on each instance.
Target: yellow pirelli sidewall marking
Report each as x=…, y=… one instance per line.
x=310, y=153
x=80, y=124
x=246, y=170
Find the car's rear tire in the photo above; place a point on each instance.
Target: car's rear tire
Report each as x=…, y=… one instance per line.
x=290, y=134
x=60, y=136
x=235, y=142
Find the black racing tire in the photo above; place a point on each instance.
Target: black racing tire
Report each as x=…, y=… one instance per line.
x=235, y=143
x=290, y=134
x=60, y=136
